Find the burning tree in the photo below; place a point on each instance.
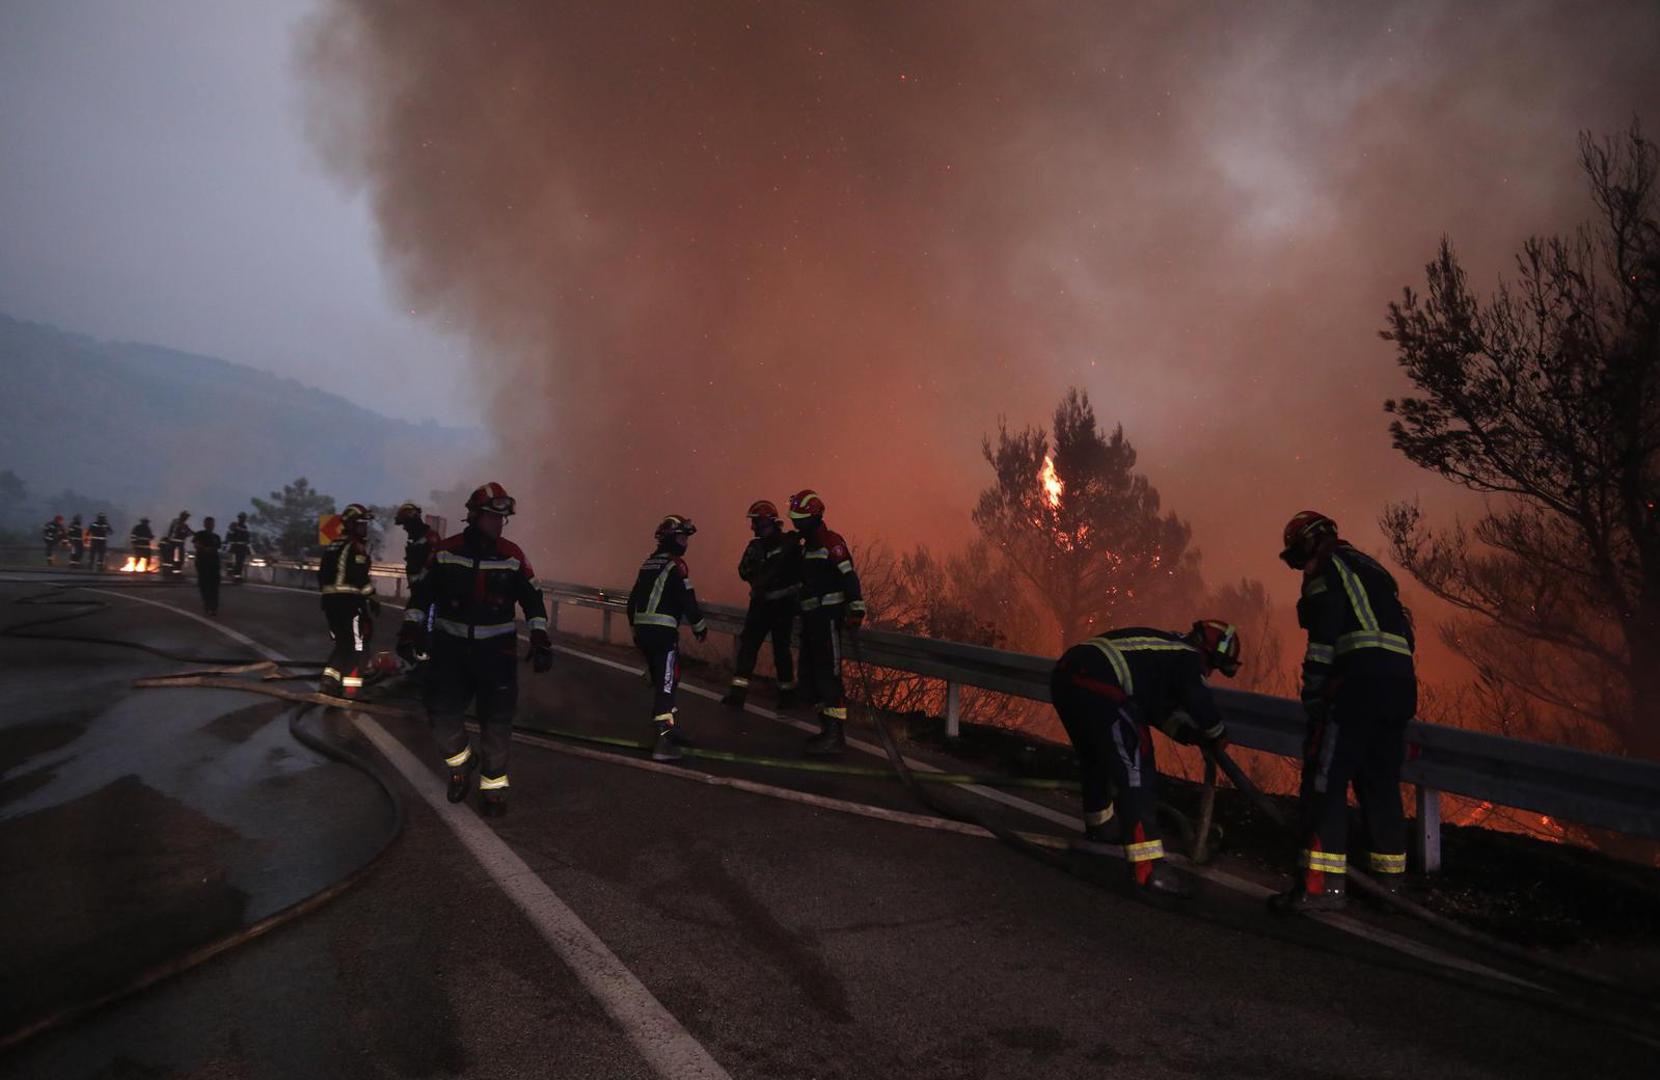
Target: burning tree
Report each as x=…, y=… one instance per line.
x=287, y=523
x=1081, y=527
x=1547, y=395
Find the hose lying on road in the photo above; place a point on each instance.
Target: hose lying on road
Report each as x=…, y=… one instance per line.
x=150, y=976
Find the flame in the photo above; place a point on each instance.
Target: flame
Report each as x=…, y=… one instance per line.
x=1052, y=486
x=135, y=566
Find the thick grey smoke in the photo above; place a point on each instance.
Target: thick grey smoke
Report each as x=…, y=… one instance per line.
x=708, y=252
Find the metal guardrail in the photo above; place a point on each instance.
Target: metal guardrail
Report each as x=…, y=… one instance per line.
x=1621, y=794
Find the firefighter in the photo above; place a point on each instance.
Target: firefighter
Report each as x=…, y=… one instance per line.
x=51, y=534
x=77, y=541
x=471, y=584
x=239, y=541
x=172, y=544
x=349, y=602
x=830, y=599
x=663, y=596
x=419, y=544
x=1359, y=692
x=771, y=563
x=139, y=540
x=1109, y=692
x=98, y=538
x=206, y=543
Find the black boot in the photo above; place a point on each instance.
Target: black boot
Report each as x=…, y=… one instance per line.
x=667, y=747
x=735, y=696
x=493, y=804
x=1163, y=881
x=829, y=741
x=1297, y=900
x=461, y=782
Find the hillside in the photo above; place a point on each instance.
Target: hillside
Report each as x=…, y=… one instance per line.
x=153, y=429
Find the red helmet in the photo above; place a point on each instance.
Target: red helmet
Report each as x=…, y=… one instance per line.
x=1303, y=534
x=491, y=497
x=1218, y=641
x=407, y=512
x=675, y=525
x=806, y=504
x=762, y=508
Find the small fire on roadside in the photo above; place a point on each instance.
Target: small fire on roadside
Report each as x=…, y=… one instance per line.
x=135, y=566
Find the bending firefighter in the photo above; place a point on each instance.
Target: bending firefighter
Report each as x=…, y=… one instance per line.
x=662, y=597
x=349, y=602
x=471, y=584
x=1359, y=691
x=830, y=598
x=771, y=563
x=1108, y=690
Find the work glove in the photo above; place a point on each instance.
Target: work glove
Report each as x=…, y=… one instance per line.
x=854, y=620
x=412, y=642
x=541, y=652
x=701, y=635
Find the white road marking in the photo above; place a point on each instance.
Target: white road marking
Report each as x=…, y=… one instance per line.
x=668, y=1048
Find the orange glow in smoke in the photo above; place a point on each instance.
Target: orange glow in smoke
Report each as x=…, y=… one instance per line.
x=1052, y=486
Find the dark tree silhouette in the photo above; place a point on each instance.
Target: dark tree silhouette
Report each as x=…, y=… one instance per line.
x=287, y=522
x=1081, y=527
x=1547, y=395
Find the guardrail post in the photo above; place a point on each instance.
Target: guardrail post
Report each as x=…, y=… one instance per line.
x=953, y=709
x=605, y=626
x=1426, y=834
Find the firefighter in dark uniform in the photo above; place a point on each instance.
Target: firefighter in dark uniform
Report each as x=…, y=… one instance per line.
x=239, y=542
x=349, y=603
x=662, y=598
x=471, y=584
x=77, y=541
x=418, y=545
x=1360, y=691
x=51, y=534
x=771, y=563
x=1109, y=692
x=140, y=541
x=206, y=543
x=830, y=599
x=172, y=544
x=98, y=538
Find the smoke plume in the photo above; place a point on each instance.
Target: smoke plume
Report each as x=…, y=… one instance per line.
x=709, y=252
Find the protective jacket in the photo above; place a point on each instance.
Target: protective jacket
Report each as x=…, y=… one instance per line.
x=829, y=584
x=344, y=570
x=772, y=566
x=180, y=531
x=1157, y=671
x=663, y=595
x=141, y=536
x=98, y=532
x=473, y=582
x=1356, y=624
x=51, y=532
x=417, y=551
x=238, y=536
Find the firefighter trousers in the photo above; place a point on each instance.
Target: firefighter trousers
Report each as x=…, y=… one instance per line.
x=484, y=674
x=764, y=619
x=141, y=553
x=239, y=561
x=821, y=663
x=76, y=547
x=99, y=547
x=351, y=629
x=1361, y=740
x=1116, y=762
x=661, y=648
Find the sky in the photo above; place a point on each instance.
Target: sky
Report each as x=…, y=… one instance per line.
x=681, y=256
x=156, y=185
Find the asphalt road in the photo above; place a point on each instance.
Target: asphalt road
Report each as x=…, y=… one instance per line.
x=775, y=938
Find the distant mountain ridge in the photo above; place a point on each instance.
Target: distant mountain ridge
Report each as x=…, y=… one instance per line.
x=155, y=429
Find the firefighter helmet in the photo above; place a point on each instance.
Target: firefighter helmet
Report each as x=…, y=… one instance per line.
x=674, y=525
x=406, y=513
x=491, y=497
x=1304, y=533
x=1218, y=642
x=355, y=512
x=241, y=517
x=806, y=504
x=762, y=509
